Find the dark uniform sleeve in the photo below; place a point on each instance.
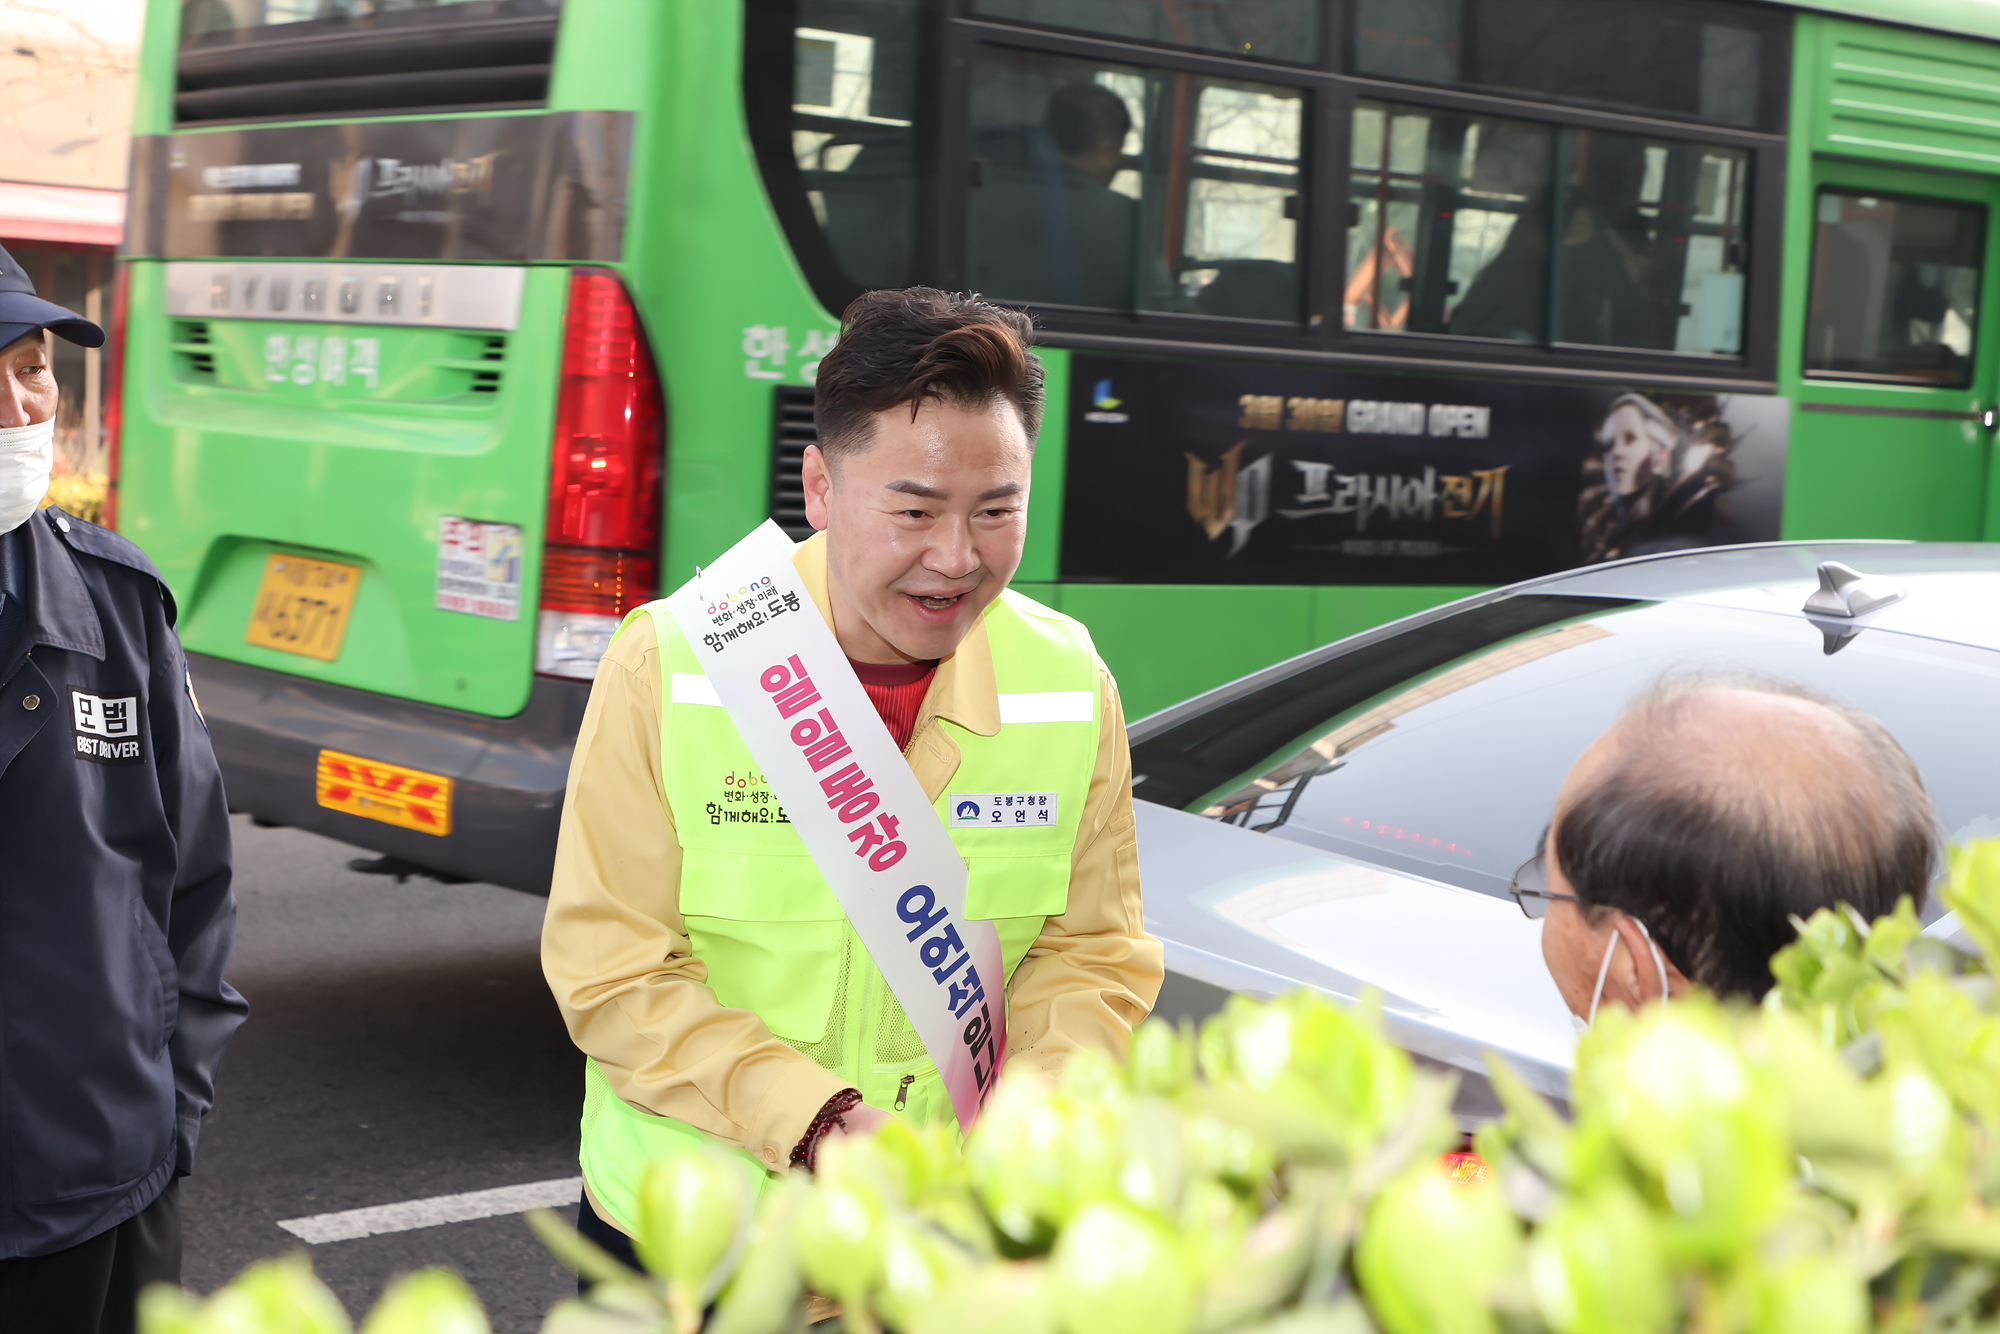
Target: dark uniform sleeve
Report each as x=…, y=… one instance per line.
x=202, y=927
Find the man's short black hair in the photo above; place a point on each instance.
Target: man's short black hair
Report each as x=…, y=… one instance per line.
x=1717, y=859
x=907, y=347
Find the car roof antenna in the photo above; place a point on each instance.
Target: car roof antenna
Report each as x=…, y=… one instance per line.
x=1846, y=592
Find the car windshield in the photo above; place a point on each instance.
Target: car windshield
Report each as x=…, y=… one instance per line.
x=1451, y=770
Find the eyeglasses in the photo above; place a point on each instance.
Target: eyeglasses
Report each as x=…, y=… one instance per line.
x=1530, y=888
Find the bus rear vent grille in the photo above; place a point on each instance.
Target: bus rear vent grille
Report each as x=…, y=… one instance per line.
x=478, y=56
x=488, y=382
x=791, y=431
x=194, y=348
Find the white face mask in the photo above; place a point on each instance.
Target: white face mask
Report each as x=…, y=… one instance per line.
x=1604, y=971
x=27, y=455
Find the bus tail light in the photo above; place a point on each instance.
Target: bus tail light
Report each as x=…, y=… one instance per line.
x=600, y=557
x=111, y=409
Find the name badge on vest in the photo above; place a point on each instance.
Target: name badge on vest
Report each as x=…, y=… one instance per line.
x=1003, y=810
x=856, y=805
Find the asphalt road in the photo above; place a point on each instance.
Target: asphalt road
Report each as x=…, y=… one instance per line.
x=401, y=1045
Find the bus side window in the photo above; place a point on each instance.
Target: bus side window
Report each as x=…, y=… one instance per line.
x=1485, y=227
x=1895, y=288
x=1119, y=187
x=853, y=104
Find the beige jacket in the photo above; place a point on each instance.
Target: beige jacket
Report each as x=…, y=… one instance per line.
x=615, y=948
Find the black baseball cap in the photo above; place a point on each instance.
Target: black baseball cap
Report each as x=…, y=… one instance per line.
x=22, y=312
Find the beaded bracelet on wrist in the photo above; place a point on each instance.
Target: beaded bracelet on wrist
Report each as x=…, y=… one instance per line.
x=806, y=1152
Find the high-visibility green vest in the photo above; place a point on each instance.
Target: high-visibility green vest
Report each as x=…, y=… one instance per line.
x=774, y=938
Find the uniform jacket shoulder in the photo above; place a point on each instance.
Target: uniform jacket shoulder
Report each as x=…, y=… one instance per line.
x=87, y=539
x=90, y=540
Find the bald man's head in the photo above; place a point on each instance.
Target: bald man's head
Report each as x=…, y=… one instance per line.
x=1719, y=806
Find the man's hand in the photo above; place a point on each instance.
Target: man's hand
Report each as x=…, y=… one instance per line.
x=860, y=1119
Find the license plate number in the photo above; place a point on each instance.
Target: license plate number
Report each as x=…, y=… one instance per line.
x=303, y=606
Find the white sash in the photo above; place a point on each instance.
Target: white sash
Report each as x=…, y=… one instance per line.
x=789, y=689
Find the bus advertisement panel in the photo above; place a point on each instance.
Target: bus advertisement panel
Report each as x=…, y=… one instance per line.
x=1219, y=473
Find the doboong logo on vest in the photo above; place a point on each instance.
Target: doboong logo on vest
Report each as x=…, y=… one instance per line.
x=107, y=728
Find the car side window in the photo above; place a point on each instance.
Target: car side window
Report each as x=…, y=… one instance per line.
x=1453, y=770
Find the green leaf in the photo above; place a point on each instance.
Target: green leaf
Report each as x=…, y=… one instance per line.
x=1596, y=1267
x=767, y=1293
x=917, y=1265
x=1814, y=1293
x=1015, y=1158
x=1162, y=1059
x=579, y=1252
x=840, y=1229
x=694, y=1214
x=608, y=1310
x=1888, y=938
x=1342, y=1081
x=1940, y=1028
x=167, y=1309
x=1118, y=1272
x=1009, y=1298
x=1433, y=1256
x=1686, y=1108
x=1972, y=890
x=430, y=1301
x=1830, y=1114
x=1258, y=1274
x=1226, y=1150
x=279, y=1296
x=1344, y=1316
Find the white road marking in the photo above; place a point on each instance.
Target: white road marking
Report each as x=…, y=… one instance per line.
x=351, y=1224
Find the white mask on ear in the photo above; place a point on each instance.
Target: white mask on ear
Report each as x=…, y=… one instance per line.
x=1604, y=971
x=27, y=456
x=1659, y=960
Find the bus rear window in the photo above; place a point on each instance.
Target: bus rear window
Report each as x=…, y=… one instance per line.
x=276, y=59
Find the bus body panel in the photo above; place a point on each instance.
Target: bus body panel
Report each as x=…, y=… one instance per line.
x=225, y=464
x=1886, y=460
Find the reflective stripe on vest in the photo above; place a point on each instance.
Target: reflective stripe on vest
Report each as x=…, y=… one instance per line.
x=761, y=918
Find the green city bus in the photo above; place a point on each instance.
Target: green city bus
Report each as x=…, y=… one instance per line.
x=452, y=331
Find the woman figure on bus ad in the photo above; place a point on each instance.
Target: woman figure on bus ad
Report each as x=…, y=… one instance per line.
x=1658, y=480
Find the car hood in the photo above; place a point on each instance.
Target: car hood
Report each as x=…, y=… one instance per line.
x=1460, y=974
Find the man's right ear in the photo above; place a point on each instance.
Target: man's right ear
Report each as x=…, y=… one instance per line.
x=817, y=478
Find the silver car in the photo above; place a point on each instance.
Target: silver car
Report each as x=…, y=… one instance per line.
x=1351, y=818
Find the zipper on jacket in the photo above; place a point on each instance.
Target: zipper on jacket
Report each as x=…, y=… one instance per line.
x=903, y=1092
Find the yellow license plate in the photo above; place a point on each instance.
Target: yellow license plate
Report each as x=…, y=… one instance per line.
x=303, y=605
x=377, y=790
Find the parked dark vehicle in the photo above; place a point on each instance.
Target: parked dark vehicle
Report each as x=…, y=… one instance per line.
x=1351, y=818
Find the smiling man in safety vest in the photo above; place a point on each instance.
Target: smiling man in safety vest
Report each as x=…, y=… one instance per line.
x=766, y=925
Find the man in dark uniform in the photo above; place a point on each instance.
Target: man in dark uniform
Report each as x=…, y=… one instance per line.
x=116, y=915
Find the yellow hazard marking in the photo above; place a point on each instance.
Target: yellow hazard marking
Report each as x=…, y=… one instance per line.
x=377, y=790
